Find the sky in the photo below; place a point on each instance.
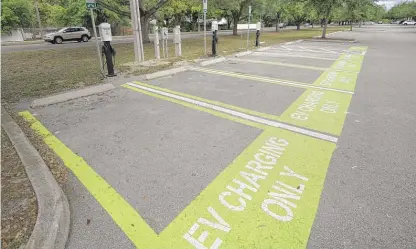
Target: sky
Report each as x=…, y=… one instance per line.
x=389, y=3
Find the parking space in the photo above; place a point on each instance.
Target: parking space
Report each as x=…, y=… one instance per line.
x=233, y=155
x=240, y=92
x=287, y=72
x=291, y=58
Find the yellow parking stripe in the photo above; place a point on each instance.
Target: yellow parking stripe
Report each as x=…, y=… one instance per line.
x=123, y=214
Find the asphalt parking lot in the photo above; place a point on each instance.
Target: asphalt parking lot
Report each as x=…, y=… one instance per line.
x=238, y=154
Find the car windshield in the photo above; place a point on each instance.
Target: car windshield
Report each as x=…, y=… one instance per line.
x=61, y=30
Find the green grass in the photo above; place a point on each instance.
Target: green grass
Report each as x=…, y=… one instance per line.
x=40, y=73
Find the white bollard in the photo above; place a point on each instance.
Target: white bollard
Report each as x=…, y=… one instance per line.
x=156, y=42
x=177, y=40
x=164, y=32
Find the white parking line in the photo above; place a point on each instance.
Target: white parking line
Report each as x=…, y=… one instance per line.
x=327, y=50
x=293, y=55
x=240, y=114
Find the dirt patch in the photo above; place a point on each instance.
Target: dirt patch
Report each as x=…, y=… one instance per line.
x=55, y=164
x=18, y=200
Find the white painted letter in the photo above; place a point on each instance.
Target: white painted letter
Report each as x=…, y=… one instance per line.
x=241, y=188
x=252, y=178
x=268, y=159
x=228, y=205
x=287, y=217
x=292, y=173
x=257, y=167
x=197, y=243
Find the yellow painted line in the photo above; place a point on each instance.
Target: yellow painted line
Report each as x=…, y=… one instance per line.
x=218, y=103
x=266, y=198
x=199, y=108
x=255, y=202
x=268, y=80
x=123, y=214
x=196, y=104
x=346, y=78
x=325, y=111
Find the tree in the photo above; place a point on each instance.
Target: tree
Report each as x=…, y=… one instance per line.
x=235, y=8
x=16, y=14
x=324, y=9
x=403, y=11
x=148, y=9
x=311, y=14
x=297, y=10
x=276, y=10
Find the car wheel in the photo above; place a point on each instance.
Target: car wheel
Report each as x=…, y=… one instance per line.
x=84, y=38
x=58, y=40
x=405, y=24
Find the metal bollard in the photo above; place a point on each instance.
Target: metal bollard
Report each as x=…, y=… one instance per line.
x=214, y=28
x=258, y=27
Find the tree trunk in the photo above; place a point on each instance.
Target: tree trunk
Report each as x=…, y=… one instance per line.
x=235, y=22
x=277, y=24
x=351, y=26
x=144, y=21
x=360, y=23
x=325, y=26
x=297, y=26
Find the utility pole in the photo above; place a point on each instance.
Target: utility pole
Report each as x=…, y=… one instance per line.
x=248, y=26
x=140, y=29
x=38, y=17
x=205, y=7
x=134, y=28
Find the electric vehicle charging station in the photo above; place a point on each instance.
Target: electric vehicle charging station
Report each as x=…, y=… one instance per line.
x=107, y=50
x=165, y=32
x=214, y=28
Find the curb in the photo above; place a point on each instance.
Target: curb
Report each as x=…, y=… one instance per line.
x=54, y=99
x=262, y=49
x=293, y=42
x=52, y=224
x=212, y=61
x=165, y=73
x=243, y=53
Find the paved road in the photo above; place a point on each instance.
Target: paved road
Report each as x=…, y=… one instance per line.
x=117, y=40
x=302, y=145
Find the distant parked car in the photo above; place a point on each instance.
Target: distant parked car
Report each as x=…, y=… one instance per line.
x=79, y=34
x=380, y=22
x=409, y=23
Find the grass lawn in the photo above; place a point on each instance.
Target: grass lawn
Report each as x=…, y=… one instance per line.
x=40, y=73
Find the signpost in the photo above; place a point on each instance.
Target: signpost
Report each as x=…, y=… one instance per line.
x=91, y=4
x=248, y=26
x=205, y=7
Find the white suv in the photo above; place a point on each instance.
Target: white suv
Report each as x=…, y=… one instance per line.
x=409, y=23
x=79, y=34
